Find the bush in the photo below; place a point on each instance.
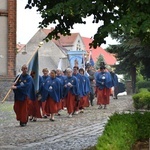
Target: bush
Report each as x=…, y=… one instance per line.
x=123, y=130
x=143, y=84
x=142, y=99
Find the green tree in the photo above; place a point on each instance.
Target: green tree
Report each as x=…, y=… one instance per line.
x=122, y=16
x=99, y=60
x=131, y=54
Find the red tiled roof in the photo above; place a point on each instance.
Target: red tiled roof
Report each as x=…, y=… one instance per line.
x=64, y=40
x=108, y=57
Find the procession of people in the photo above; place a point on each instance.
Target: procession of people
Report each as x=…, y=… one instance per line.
x=72, y=90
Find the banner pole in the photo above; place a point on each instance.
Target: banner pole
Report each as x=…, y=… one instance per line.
x=4, y=99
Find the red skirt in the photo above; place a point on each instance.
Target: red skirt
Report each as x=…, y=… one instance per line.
x=34, y=109
x=103, y=96
x=21, y=110
x=71, y=103
x=51, y=106
x=42, y=105
x=86, y=101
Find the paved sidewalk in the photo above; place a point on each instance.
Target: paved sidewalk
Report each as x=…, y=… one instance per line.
x=76, y=133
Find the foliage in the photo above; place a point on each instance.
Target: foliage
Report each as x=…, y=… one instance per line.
x=122, y=130
x=99, y=60
x=130, y=17
x=142, y=84
x=142, y=99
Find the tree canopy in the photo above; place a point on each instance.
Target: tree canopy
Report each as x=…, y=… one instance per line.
x=119, y=16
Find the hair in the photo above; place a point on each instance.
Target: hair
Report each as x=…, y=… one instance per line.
x=69, y=69
x=54, y=71
x=81, y=69
x=45, y=69
x=102, y=67
x=76, y=67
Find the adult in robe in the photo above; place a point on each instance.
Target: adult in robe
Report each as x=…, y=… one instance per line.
x=61, y=77
x=85, y=91
x=34, y=106
x=114, y=83
x=103, y=86
x=80, y=80
x=23, y=89
x=91, y=74
x=45, y=76
x=71, y=92
x=52, y=94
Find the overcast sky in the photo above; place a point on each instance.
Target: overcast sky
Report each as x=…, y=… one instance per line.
x=28, y=21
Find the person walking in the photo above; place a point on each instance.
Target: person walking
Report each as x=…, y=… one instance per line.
x=91, y=75
x=71, y=92
x=114, y=83
x=24, y=91
x=103, y=87
x=52, y=94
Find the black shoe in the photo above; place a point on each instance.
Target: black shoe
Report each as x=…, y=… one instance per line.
x=31, y=118
x=34, y=120
x=52, y=120
x=23, y=124
x=45, y=116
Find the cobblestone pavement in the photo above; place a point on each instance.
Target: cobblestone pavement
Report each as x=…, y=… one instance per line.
x=76, y=133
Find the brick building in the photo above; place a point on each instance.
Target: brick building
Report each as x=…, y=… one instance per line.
x=7, y=44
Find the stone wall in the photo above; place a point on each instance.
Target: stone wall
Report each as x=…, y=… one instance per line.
x=5, y=84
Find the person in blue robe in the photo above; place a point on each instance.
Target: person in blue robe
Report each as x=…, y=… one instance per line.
x=42, y=81
x=52, y=94
x=71, y=92
x=85, y=90
x=24, y=91
x=103, y=87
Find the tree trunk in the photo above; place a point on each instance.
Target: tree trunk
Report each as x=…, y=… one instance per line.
x=133, y=78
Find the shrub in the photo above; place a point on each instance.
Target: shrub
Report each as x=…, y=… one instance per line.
x=142, y=99
x=143, y=84
x=123, y=130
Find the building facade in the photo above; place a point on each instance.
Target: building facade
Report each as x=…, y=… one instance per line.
x=7, y=44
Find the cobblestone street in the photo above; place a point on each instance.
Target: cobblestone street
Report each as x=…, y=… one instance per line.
x=76, y=133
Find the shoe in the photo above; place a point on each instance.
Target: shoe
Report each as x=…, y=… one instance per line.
x=70, y=116
x=52, y=120
x=76, y=113
x=31, y=118
x=100, y=107
x=105, y=107
x=44, y=116
x=23, y=124
x=81, y=111
x=34, y=119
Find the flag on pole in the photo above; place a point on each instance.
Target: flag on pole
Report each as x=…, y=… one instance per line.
x=60, y=63
x=91, y=61
x=33, y=69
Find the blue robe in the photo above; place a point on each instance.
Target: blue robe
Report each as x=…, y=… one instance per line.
x=25, y=88
x=85, y=87
x=114, y=79
x=52, y=88
x=103, y=80
x=41, y=85
x=80, y=80
x=62, y=80
x=74, y=89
